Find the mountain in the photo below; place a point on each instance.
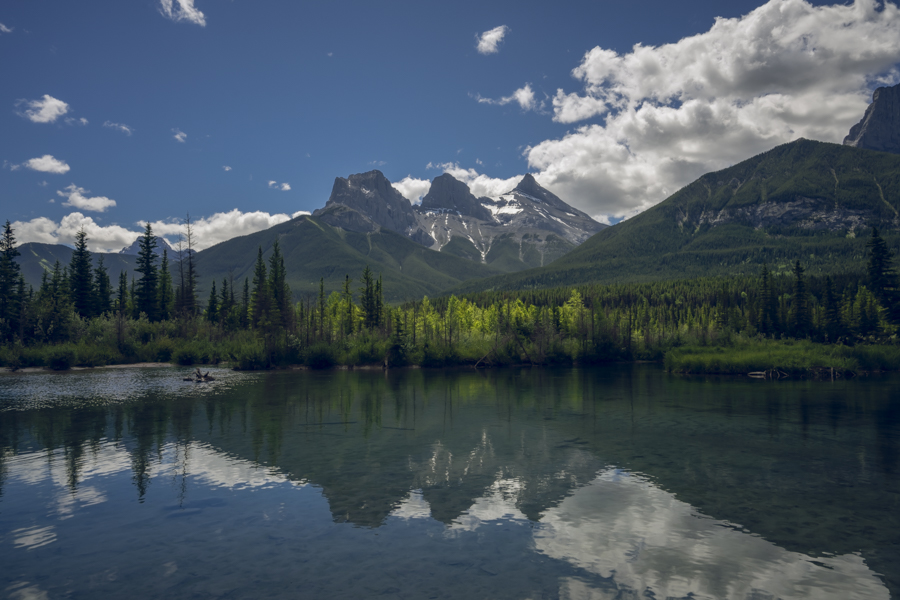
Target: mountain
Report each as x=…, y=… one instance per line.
x=804, y=200
x=315, y=249
x=879, y=128
x=161, y=244
x=526, y=227
x=35, y=259
x=372, y=196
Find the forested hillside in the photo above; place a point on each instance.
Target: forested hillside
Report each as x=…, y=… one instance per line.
x=806, y=199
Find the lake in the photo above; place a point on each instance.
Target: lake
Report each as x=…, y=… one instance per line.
x=614, y=482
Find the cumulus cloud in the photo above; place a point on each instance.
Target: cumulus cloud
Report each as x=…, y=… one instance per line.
x=226, y=168
x=212, y=230
x=119, y=127
x=489, y=41
x=284, y=187
x=46, y=110
x=76, y=198
x=412, y=189
x=479, y=183
x=179, y=135
x=524, y=97
x=182, y=10
x=208, y=231
x=673, y=112
x=109, y=238
x=5, y=29
x=47, y=164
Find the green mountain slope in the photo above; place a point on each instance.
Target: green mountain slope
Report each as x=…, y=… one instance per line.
x=34, y=259
x=804, y=200
x=313, y=249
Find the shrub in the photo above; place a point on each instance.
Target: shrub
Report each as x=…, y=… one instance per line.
x=185, y=355
x=320, y=356
x=60, y=358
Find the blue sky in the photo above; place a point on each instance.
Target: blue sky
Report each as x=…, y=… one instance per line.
x=145, y=104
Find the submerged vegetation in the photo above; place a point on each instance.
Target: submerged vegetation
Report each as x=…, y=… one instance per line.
x=724, y=324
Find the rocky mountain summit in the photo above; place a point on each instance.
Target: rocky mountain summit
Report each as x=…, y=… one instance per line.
x=526, y=227
x=161, y=244
x=880, y=126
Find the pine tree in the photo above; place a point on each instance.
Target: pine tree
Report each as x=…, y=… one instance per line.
x=212, y=307
x=102, y=289
x=147, y=293
x=882, y=277
x=768, y=307
x=186, y=304
x=832, y=316
x=81, y=279
x=800, y=318
x=260, y=300
x=164, y=293
x=9, y=279
x=122, y=297
x=245, y=305
x=279, y=289
x=367, y=300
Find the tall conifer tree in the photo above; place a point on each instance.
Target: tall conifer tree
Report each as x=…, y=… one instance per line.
x=147, y=293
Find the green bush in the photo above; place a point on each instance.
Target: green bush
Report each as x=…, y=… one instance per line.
x=60, y=358
x=251, y=358
x=320, y=356
x=185, y=355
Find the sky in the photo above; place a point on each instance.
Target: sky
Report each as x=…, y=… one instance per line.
x=114, y=114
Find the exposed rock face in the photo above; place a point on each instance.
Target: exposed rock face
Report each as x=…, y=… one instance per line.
x=372, y=195
x=161, y=244
x=805, y=213
x=880, y=126
x=448, y=193
x=526, y=227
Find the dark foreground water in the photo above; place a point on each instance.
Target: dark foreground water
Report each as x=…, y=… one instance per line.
x=618, y=482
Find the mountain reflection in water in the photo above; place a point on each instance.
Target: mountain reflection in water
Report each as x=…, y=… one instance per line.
x=608, y=483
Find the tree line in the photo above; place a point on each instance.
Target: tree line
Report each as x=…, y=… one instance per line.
x=259, y=322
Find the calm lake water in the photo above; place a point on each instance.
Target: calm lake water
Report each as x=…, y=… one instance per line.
x=615, y=482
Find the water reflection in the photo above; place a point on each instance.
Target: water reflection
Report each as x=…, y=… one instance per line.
x=608, y=483
x=644, y=540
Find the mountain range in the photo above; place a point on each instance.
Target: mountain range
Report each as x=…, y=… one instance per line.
x=804, y=200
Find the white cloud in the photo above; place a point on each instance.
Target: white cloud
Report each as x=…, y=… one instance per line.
x=5, y=29
x=226, y=168
x=182, y=10
x=76, y=198
x=73, y=121
x=273, y=183
x=179, y=135
x=285, y=187
x=412, y=189
x=479, y=184
x=488, y=42
x=119, y=127
x=110, y=238
x=209, y=231
x=671, y=113
x=45, y=110
x=43, y=184
x=524, y=96
x=47, y=164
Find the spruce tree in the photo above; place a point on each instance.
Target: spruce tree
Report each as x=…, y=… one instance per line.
x=147, y=292
x=882, y=278
x=212, y=307
x=81, y=280
x=102, y=289
x=245, y=305
x=165, y=293
x=122, y=297
x=9, y=279
x=800, y=318
x=260, y=300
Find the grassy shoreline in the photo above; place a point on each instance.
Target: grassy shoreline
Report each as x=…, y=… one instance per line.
x=755, y=357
